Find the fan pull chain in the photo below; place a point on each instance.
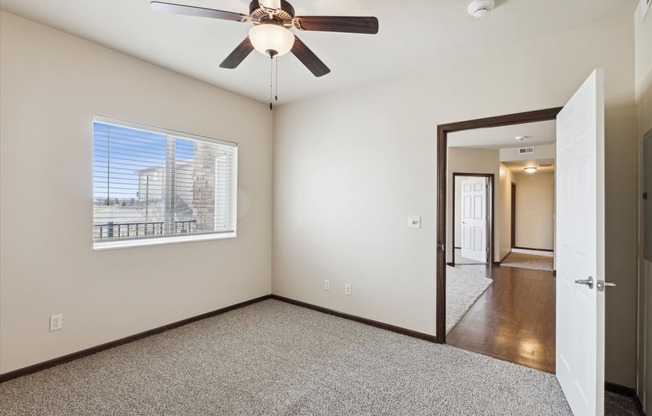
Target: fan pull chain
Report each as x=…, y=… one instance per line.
x=276, y=92
x=271, y=81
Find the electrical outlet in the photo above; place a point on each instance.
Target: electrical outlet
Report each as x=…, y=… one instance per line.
x=347, y=289
x=327, y=284
x=56, y=322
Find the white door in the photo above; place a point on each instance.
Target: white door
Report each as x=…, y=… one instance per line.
x=580, y=248
x=474, y=219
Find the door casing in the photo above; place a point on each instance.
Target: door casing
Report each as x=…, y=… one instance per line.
x=513, y=216
x=442, y=163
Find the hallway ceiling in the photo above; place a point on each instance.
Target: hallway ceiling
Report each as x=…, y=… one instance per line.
x=415, y=36
x=539, y=133
x=543, y=166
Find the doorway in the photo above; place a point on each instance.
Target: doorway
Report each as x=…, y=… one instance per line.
x=442, y=184
x=472, y=218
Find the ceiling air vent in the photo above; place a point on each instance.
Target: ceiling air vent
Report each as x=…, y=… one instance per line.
x=526, y=151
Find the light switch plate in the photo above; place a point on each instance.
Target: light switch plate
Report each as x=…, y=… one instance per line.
x=414, y=221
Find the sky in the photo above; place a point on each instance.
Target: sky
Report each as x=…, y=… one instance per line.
x=119, y=153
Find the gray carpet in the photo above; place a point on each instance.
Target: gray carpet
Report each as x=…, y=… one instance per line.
x=528, y=261
x=272, y=358
x=464, y=285
x=619, y=405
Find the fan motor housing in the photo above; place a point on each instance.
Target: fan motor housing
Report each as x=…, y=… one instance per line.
x=284, y=14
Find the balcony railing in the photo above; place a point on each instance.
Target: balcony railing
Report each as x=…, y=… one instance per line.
x=139, y=229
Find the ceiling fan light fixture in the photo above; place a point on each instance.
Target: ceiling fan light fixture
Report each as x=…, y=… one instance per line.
x=271, y=39
x=479, y=8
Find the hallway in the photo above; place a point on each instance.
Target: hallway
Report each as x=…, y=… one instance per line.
x=513, y=320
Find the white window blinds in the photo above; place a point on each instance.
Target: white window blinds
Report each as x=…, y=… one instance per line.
x=151, y=183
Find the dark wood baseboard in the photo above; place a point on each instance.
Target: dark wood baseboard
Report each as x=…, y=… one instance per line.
x=535, y=249
x=89, y=351
x=452, y=264
x=615, y=388
x=625, y=391
x=497, y=263
x=370, y=322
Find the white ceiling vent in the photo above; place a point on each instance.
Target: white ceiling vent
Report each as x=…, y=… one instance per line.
x=526, y=151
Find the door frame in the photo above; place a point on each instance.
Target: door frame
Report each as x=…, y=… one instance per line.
x=490, y=209
x=442, y=164
x=513, y=216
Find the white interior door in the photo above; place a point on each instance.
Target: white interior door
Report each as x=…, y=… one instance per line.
x=580, y=248
x=474, y=219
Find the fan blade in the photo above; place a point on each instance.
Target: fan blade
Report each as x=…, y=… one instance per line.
x=238, y=55
x=161, y=7
x=309, y=59
x=345, y=24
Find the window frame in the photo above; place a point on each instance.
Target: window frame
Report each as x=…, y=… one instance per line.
x=168, y=239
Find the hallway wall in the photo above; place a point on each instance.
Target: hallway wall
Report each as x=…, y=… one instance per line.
x=504, y=213
x=535, y=210
x=467, y=160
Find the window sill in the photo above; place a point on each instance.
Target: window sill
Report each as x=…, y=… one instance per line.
x=110, y=245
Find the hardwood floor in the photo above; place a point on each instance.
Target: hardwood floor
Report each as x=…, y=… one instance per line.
x=514, y=320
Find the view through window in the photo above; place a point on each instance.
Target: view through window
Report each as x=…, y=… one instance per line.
x=151, y=184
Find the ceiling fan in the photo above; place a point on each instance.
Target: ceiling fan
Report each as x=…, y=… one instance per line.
x=270, y=35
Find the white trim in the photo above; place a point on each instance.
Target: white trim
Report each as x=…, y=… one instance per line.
x=109, y=245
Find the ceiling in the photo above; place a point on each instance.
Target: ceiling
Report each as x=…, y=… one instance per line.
x=538, y=133
x=415, y=36
x=543, y=166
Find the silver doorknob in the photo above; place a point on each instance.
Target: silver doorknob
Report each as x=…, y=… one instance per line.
x=588, y=282
x=602, y=284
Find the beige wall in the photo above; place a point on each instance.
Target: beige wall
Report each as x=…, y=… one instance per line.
x=52, y=84
x=350, y=167
x=504, y=244
x=534, y=210
x=643, y=35
x=467, y=160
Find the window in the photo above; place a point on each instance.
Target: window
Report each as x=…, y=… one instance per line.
x=153, y=186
